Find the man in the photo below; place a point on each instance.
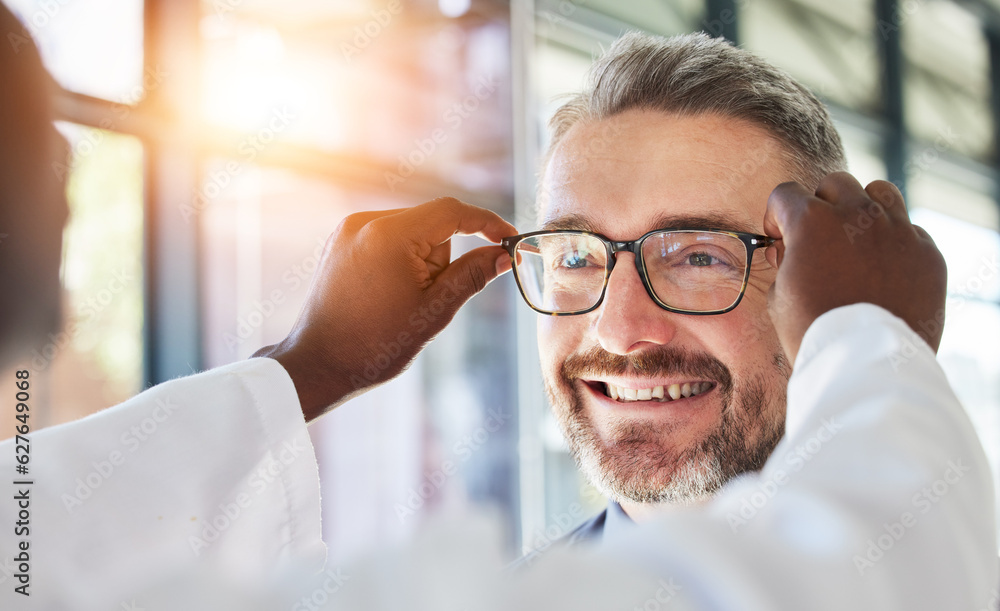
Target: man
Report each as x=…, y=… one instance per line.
x=170, y=478
x=662, y=408
x=689, y=132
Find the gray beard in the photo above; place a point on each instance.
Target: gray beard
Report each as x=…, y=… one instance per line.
x=638, y=462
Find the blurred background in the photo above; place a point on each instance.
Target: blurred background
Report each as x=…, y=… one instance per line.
x=216, y=143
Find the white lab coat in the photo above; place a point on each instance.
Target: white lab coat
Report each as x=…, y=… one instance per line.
x=878, y=497
x=216, y=468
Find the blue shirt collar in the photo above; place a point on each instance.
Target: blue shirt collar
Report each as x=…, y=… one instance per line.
x=616, y=523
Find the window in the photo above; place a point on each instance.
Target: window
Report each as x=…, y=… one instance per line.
x=96, y=359
x=828, y=47
x=92, y=47
x=946, y=81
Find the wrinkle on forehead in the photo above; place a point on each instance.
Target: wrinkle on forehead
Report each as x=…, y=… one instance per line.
x=666, y=220
x=715, y=160
x=568, y=166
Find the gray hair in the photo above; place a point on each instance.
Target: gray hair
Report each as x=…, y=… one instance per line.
x=697, y=74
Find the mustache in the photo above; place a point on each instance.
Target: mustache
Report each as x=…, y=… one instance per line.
x=655, y=362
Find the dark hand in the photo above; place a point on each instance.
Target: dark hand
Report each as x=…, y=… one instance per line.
x=844, y=244
x=384, y=288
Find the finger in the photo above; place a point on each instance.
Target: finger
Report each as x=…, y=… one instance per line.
x=504, y=264
x=775, y=254
x=466, y=276
x=841, y=188
x=889, y=196
x=439, y=258
x=922, y=233
x=785, y=201
x=438, y=220
x=351, y=226
x=357, y=220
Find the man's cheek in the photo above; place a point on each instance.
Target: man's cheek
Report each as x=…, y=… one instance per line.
x=558, y=337
x=749, y=324
x=546, y=350
x=756, y=331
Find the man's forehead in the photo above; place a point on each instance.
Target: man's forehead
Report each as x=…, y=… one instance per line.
x=662, y=220
x=660, y=171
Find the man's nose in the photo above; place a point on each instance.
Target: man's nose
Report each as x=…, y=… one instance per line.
x=629, y=319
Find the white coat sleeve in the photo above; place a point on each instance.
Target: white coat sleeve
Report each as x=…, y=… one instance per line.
x=878, y=497
x=214, y=470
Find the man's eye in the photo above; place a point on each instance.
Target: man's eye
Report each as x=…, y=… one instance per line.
x=701, y=259
x=574, y=261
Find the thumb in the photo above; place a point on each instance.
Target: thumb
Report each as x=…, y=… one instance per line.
x=784, y=205
x=466, y=276
x=774, y=254
x=785, y=202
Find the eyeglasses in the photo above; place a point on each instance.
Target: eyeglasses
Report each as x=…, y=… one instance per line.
x=690, y=271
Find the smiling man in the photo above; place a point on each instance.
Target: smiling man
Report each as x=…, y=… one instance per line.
x=659, y=357
x=666, y=172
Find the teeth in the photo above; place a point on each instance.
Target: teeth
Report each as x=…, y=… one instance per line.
x=658, y=393
x=675, y=391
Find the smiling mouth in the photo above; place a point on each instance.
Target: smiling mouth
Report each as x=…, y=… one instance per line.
x=663, y=394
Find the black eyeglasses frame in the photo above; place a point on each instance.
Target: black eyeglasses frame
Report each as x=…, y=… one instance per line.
x=751, y=241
